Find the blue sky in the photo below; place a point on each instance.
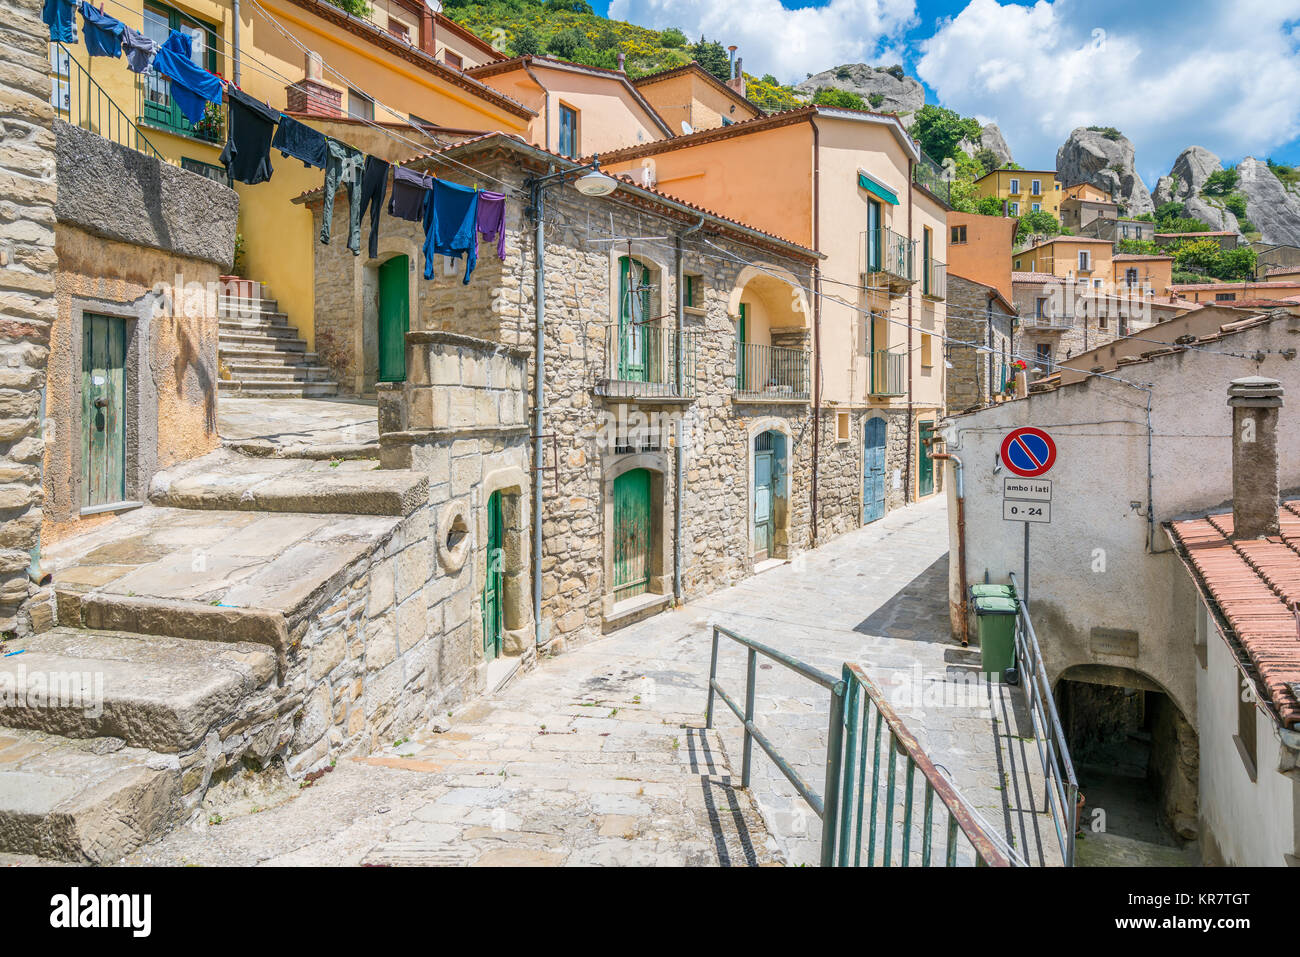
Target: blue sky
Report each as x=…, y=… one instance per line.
x=1169, y=74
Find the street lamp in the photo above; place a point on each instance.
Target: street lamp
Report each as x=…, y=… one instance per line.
x=591, y=183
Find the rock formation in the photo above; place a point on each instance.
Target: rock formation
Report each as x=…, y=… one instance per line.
x=1105, y=159
x=896, y=92
x=1184, y=184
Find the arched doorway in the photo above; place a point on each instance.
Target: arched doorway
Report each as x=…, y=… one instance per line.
x=770, y=496
x=873, y=470
x=633, y=534
x=394, y=318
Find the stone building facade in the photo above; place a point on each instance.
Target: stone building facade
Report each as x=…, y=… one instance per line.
x=27, y=308
x=714, y=425
x=982, y=326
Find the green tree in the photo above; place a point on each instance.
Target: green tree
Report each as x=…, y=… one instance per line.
x=526, y=41
x=672, y=38
x=358, y=8
x=1037, y=222
x=568, y=6
x=711, y=55
x=565, y=43
x=1220, y=183
x=939, y=130
x=830, y=96
x=988, y=161
x=1145, y=247
x=1239, y=263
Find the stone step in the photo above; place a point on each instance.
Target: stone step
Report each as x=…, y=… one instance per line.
x=261, y=340
x=276, y=485
x=237, y=304
x=161, y=693
x=87, y=801
x=256, y=327
x=247, y=373
x=259, y=356
x=270, y=390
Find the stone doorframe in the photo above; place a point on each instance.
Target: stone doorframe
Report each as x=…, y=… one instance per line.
x=658, y=465
x=365, y=334
x=141, y=402
x=781, y=515
x=516, y=578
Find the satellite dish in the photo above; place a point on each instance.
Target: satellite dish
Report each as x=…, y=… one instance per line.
x=687, y=129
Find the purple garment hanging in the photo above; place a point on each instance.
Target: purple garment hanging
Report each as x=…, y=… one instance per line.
x=491, y=219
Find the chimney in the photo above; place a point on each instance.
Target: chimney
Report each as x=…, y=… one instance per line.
x=622, y=61
x=312, y=94
x=737, y=81
x=1255, y=401
x=731, y=56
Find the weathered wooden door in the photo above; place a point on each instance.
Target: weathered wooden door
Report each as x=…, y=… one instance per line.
x=763, y=481
x=492, y=626
x=873, y=470
x=925, y=468
x=633, y=534
x=103, y=410
x=394, y=318
x=633, y=311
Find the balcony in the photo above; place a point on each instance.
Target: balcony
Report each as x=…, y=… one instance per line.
x=771, y=373
x=80, y=101
x=648, y=362
x=930, y=175
x=934, y=279
x=1045, y=322
x=888, y=260
x=888, y=372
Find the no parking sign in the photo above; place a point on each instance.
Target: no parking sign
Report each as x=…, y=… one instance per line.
x=1028, y=452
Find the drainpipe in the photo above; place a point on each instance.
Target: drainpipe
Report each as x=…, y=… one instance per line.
x=963, y=604
x=234, y=60
x=546, y=103
x=907, y=465
x=539, y=396
x=817, y=324
x=679, y=457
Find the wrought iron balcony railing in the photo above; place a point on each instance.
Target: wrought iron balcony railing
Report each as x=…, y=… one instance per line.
x=648, y=361
x=888, y=372
x=934, y=279
x=887, y=253
x=771, y=372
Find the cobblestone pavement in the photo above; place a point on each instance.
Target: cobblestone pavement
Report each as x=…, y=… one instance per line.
x=598, y=756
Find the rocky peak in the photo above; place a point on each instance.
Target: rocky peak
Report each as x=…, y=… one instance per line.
x=1105, y=159
x=887, y=89
x=1184, y=184
x=1271, y=207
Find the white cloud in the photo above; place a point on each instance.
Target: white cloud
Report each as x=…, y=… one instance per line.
x=786, y=43
x=1221, y=75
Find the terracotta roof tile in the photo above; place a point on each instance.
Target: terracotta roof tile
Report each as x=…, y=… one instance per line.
x=1255, y=585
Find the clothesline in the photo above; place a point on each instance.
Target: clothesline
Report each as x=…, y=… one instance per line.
x=454, y=217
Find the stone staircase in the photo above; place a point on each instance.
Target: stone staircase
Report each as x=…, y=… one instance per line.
x=260, y=353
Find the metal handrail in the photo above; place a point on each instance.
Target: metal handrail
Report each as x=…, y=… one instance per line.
x=838, y=796
x=95, y=111
x=863, y=696
x=888, y=372
x=771, y=372
x=1049, y=737
x=646, y=359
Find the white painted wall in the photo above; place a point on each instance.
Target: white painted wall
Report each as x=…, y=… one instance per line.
x=1247, y=823
x=1090, y=567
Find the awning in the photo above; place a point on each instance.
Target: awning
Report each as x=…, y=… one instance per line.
x=871, y=186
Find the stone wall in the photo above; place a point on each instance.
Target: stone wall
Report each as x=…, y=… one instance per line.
x=27, y=310
x=969, y=384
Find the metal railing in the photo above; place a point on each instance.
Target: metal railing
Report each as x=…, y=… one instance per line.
x=888, y=372
x=934, y=279
x=80, y=101
x=771, y=372
x=1033, y=320
x=930, y=174
x=1053, y=750
x=648, y=361
x=884, y=251
x=841, y=838
x=155, y=108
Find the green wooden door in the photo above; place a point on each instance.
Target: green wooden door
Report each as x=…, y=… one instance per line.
x=742, y=337
x=103, y=410
x=394, y=318
x=492, y=626
x=633, y=534
x=925, y=471
x=763, y=482
x=633, y=311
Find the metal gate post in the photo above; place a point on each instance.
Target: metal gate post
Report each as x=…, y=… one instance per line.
x=713, y=676
x=834, y=756
x=750, y=678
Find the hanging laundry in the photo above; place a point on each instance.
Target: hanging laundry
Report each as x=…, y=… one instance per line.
x=139, y=50
x=60, y=17
x=247, y=156
x=449, y=217
x=343, y=168
x=192, y=87
x=301, y=142
x=374, y=184
x=102, y=33
x=409, y=190
x=490, y=221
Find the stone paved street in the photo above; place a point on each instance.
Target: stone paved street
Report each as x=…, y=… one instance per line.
x=598, y=756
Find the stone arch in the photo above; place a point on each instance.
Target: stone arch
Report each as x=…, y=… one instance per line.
x=783, y=517
x=516, y=579
x=774, y=274
x=658, y=465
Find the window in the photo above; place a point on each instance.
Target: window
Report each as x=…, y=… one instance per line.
x=842, y=426
x=360, y=106
x=1085, y=261
x=927, y=350
x=1015, y=209
x=399, y=30
x=1014, y=188
x=568, y=131
x=1224, y=296
x=215, y=173
x=1036, y=207
x=1131, y=276
x=1036, y=188
x=1245, y=737
x=159, y=109
x=452, y=60
x=693, y=291
x=958, y=235
x=1040, y=308
x=927, y=261
x=1043, y=355
x=726, y=122
x=1017, y=265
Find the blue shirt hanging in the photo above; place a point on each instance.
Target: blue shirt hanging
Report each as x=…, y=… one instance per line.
x=450, y=212
x=192, y=87
x=103, y=34
x=61, y=17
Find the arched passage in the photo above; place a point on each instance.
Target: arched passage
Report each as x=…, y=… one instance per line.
x=769, y=310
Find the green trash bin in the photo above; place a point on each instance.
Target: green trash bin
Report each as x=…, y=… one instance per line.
x=996, y=619
x=992, y=591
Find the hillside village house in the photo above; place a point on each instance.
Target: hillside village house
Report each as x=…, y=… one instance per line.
x=842, y=182
x=1023, y=190
x=1115, y=610
x=982, y=320
x=690, y=98
x=1273, y=289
